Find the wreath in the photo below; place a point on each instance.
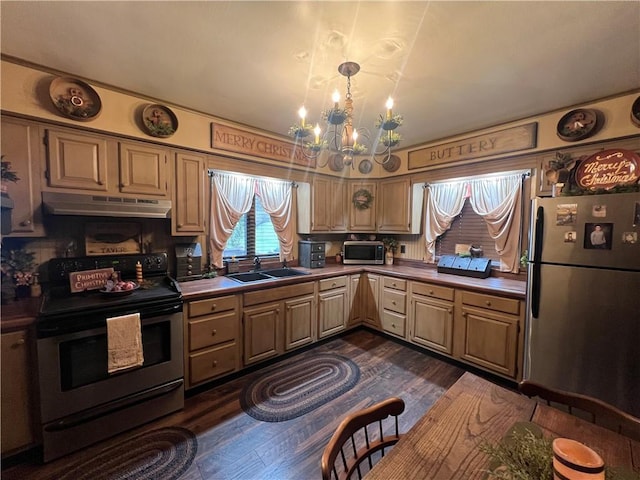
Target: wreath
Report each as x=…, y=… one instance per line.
x=362, y=199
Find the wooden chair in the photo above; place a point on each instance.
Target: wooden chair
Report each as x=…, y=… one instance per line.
x=357, y=439
x=596, y=411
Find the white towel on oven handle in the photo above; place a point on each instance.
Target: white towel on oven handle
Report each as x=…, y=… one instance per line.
x=124, y=342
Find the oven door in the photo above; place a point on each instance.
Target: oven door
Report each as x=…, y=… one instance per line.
x=73, y=367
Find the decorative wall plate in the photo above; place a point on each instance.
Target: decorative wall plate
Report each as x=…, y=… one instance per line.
x=75, y=99
x=392, y=164
x=159, y=121
x=365, y=166
x=635, y=112
x=336, y=162
x=578, y=125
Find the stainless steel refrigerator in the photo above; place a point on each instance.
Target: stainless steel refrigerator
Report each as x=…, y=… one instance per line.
x=583, y=322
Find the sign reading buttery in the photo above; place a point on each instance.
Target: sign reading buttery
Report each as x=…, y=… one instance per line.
x=89, y=279
x=608, y=169
x=512, y=139
x=239, y=141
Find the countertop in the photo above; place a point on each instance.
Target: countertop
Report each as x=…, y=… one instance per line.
x=19, y=314
x=506, y=287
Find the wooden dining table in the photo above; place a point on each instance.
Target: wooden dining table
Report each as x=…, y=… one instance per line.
x=444, y=443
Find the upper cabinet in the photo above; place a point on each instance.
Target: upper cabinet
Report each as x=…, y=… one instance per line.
x=189, y=194
x=21, y=148
x=394, y=206
x=93, y=163
x=328, y=200
x=362, y=217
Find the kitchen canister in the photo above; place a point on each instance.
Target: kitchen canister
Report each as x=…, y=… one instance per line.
x=573, y=460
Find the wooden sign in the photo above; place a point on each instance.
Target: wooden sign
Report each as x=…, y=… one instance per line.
x=608, y=169
x=239, y=141
x=512, y=139
x=89, y=279
x=113, y=238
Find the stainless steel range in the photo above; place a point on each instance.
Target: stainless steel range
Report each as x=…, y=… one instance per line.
x=80, y=402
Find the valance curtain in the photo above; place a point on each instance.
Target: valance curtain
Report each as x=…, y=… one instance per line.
x=444, y=203
x=276, y=197
x=231, y=197
x=497, y=199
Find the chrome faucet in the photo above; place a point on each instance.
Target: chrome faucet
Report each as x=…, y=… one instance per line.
x=284, y=263
x=256, y=263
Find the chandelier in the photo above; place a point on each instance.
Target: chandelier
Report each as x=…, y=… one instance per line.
x=341, y=139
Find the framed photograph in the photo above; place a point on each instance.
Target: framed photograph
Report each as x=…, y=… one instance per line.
x=570, y=237
x=113, y=238
x=629, y=237
x=599, y=211
x=566, y=214
x=597, y=236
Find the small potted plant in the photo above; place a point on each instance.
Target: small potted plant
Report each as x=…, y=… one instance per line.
x=390, y=246
x=7, y=175
x=19, y=267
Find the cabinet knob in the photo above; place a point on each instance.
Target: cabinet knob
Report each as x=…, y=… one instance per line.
x=333, y=284
x=213, y=332
x=488, y=302
x=430, y=292
x=449, y=311
x=100, y=182
x=19, y=343
x=393, y=325
x=180, y=225
x=213, y=307
x=393, y=302
x=214, y=363
x=25, y=223
x=394, y=284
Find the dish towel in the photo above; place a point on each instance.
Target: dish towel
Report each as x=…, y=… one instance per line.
x=124, y=342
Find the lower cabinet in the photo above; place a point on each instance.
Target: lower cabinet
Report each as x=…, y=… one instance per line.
x=371, y=295
x=332, y=306
x=356, y=300
x=432, y=317
x=277, y=319
x=489, y=332
x=212, y=338
x=394, y=306
x=17, y=392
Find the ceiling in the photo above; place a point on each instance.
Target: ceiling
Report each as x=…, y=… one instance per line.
x=451, y=67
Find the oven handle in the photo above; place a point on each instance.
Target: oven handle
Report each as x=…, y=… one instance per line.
x=160, y=311
x=93, y=413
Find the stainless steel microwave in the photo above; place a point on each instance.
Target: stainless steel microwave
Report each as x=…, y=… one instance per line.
x=363, y=252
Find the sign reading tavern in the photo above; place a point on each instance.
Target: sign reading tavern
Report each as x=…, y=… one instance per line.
x=239, y=141
x=512, y=139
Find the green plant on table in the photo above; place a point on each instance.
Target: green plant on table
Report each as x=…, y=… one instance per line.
x=390, y=244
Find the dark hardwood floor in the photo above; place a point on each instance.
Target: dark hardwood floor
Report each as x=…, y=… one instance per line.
x=234, y=446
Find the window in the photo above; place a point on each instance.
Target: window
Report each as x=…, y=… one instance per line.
x=467, y=228
x=253, y=235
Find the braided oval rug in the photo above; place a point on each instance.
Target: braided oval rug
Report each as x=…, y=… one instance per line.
x=165, y=453
x=286, y=392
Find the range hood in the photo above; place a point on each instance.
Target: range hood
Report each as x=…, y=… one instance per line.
x=104, y=206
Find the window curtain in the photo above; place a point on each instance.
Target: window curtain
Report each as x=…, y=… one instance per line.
x=444, y=203
x=231, y=197
x=276, y=197
x=498, y=201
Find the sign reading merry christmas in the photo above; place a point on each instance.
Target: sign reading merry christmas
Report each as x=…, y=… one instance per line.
x=608, y=169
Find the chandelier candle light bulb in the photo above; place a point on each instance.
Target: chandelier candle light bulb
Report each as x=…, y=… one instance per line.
x=389, y=107
x=303, y=113
x=317, y=132
x=336, y=99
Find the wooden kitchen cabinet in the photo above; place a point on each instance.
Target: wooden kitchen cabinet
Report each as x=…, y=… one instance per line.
x=356, y=300
x=89, y=163
x=488, y=332
x=17, y=392
x=362, y=220
x=265, y=319
x=394, y=306
x=212, y=333
x=189, y=194
x=21, y=147
x=332, y=305
x=431, y=316
x=299, y=322
x=393, y=206
x=371, y=289
x=329, y=205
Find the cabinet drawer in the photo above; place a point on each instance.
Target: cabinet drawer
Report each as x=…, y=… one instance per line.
x=394, y=323
x=491, y=302
x=330, y=283
x=212, y=331
x=435, y=291
x=212, y=363
x=212, y=305
x=395, y=301
x=395, y=283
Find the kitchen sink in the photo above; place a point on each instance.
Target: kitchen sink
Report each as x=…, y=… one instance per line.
x=283, y=272
x=249, y=277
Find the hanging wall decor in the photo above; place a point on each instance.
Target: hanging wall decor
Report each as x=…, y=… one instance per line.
x=75, y=99
x=578, y=124
x=635, y=112
x=159, y=121
x=362, y=199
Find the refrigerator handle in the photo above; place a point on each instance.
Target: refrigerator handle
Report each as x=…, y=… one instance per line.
x=535, y=266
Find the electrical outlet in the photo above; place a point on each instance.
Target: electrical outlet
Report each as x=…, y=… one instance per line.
x=403, y=249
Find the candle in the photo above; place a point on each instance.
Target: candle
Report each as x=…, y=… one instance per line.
x=389, y=107
x=303, y=113
x=574, y=461
x=139, y=273
x=336, y=99
x=355, y=138
x=317, y=132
